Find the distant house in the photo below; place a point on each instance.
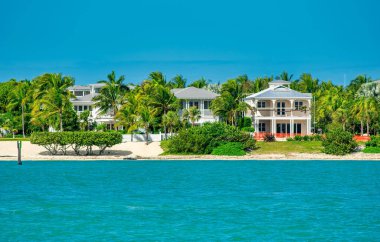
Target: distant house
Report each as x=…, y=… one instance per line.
x=280, y=110
x=83, y=101
x=198, y=97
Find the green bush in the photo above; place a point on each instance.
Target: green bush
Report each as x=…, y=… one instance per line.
x=62, y=141
x=374, y=142
x=248, y=129
x=203, y=139
x=372, y=150
x=244, y=122
x=268, y=137
x=289, y=139
x=307, y=138
x=339, y=142
x=298, y=138
x=230, y=149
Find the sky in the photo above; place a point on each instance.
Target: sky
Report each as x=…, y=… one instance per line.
x=217, y=40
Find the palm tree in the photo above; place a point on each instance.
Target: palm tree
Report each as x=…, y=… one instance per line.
x=20, y=98
x=171, y=120
x=285, y=76
x=185, y=118
x=157, y=78
x=8, y=123
x=111, y=96
x=53, y=96
x=84, y=119
x=358, y=112
x=371, y=112
x=178, y=82
x=146, y=119
x=201, y=83
x=194, y=115
x=128, y=114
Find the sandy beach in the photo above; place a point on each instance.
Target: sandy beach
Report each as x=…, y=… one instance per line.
x=152, y=151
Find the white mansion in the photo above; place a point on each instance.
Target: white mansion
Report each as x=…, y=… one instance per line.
x=277, y=109
x=280, y=110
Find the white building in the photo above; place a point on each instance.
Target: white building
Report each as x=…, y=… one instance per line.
x=280, y=110
x=190, y=96
x=198, y=97
x=83, y=101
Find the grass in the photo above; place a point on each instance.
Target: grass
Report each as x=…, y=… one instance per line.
x=14, y=139
x=372, y=150
x=288, y=147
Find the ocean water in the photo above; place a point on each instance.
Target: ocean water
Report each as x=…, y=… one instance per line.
x=190, y=201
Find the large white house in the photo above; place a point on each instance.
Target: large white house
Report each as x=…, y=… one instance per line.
x=280, y=110
x=83, y=101
x=198, y=97
x=190, y=96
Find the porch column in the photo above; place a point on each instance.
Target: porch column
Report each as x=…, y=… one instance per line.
x=187, y=104
x=274, y=127
x=308, y=126
x=273, y=105
x=291, y=107
x=291, y=127
x=256, y=126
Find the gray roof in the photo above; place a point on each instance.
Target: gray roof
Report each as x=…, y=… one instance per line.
x=79, y=87
x=193, y=93
x=279, y=82
x=85, y=98
x=279, y=92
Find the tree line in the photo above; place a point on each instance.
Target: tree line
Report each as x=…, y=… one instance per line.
x=35, y=105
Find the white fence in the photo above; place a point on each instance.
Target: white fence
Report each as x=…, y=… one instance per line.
x=142, y=137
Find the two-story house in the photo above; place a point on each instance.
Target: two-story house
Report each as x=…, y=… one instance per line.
x=280, y=110
x=198, y=97
x=83, y=101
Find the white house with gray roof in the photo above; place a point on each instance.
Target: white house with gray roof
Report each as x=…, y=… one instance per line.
x=83, y=101
x=280, y=110
x=198, y=97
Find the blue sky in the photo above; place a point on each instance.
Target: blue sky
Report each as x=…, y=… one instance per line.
x=214, y=39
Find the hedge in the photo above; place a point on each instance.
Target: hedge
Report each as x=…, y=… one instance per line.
x=62, y=141
x=339, y=142
x=229, y=149
x=203, y=139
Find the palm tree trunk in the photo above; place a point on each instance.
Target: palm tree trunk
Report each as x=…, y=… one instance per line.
x=361, y=128
x=146, y=135
x=23, y=122
x=367, y=128
x=60, y=121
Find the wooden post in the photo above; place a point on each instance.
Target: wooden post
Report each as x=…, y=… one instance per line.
x=19, y=162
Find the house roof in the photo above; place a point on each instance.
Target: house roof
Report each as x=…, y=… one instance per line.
x=79, y=87
x=85, y=98
x=279, y=92
x=193, y=93
x=279, y=82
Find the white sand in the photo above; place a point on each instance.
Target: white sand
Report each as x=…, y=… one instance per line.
x=8, y=151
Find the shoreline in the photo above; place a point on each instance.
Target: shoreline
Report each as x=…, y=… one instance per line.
x=140, y=151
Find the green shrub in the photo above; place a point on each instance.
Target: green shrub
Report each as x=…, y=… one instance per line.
x=62, y=141
x=306, y=138
x=244, y=122
x=230, y=149
x=203, y=139
x=298, y=138
x=248, y=129
x=371, y=149
x=268, y=137
x=374, y=142
x=339, y=142
x=289, y=139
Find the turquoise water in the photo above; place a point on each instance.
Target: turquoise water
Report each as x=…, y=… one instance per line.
x=190, y=200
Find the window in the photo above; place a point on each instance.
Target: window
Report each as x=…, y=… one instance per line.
x=90, y=108
x=85, y=108
x=97, y=90
x=194, y=103
x=76, y=108
x=78, y=93
x=207, y=104
x=86, y=92
x=298, y=105
x=261, y=104
x=262, y=127
x=281, y=108
x=80, y=108
x=297, y=128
